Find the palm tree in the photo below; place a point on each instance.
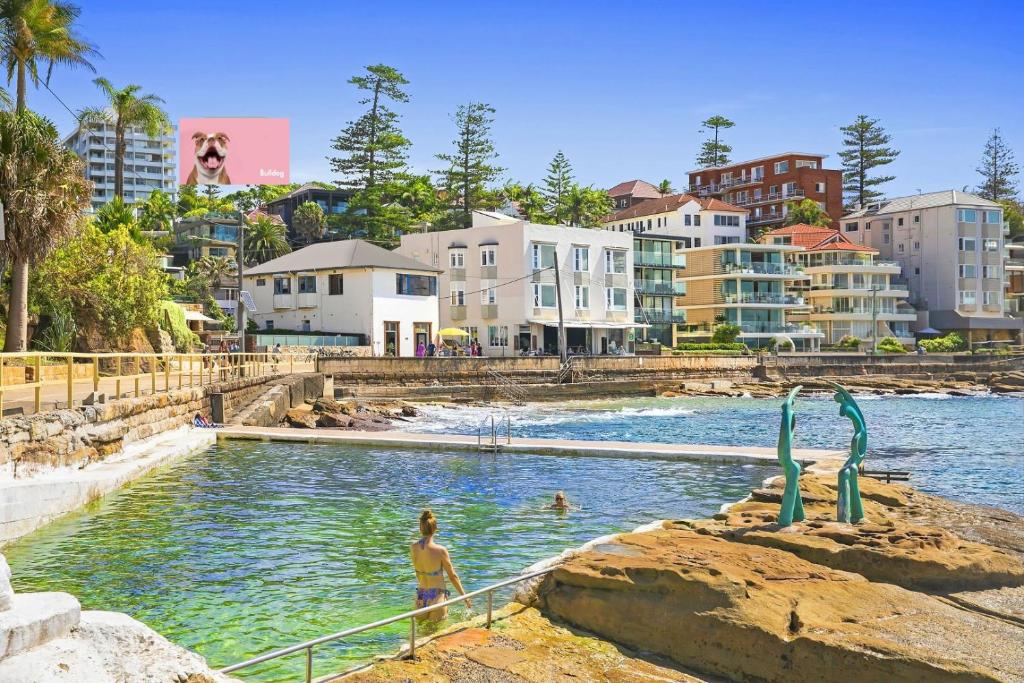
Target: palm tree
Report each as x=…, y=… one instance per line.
x=126, y=109
x=34, y=31
x=158, y=212
x=265, y=239
x=214, y=270
x=586, y=206
x=665, y=187
x=43, y=191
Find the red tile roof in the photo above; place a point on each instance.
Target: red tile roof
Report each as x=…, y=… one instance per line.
x=669, y=203
x=635, y=188
x=815, y=238
x=260, y=213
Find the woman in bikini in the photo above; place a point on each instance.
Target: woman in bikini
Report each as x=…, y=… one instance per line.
x=431, y=562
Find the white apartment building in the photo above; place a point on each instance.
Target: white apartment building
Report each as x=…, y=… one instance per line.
x=848, y=290
x=149, y=162
x=949, y=245
x=498, y=281
x=696, y=222
x=348, y=287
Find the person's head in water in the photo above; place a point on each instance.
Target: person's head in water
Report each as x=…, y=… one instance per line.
x=428, y=523
x=560, y=502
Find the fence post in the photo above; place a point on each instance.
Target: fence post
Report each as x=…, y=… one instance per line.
x=412, y=638
x=95, y=373
x=39, y=385
x=309, y=665
x=1, y=385
x=71, y=382
x=490, y=607
x=152, y=374
x=117, y=382
x=167, y=374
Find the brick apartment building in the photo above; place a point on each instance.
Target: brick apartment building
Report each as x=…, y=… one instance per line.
x=632, y=192
x=763, y=186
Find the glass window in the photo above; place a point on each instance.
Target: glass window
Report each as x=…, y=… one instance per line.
x=614, y=261
x=457, y=258
x=721, y=220
x=544, y=295
x=488, y=293
x=806, y=163
x=582, y=297
x=757, y=173
x=307, y=284
x=488, y=256
x=991, y=272
x=967, y=215
x=968, y=270
x=993, y=217
x=458, y=293
x=968, y=243
x=686, y=219
x=696, y=221
x=581, y=259
x=990, y=298
x=781, y=167
x=282, y=285
x=968, y=297
x=615, y=298
x=261, y=281
x=543, y=256
x=497, y=335
x=335, y=284
x=415, y=285
x=990, y=245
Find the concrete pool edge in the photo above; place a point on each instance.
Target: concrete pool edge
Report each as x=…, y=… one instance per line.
x=620, y=449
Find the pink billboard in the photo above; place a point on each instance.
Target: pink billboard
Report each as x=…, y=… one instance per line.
x=233, y=151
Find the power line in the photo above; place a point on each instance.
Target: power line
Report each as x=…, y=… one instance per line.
x=510, y=282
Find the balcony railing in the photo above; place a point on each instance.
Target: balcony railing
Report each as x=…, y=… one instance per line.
x=762, y=268
x=663, y=288
x=754, y=298
x=723, y=185
x=766, y=218
x=858, y=310
x=659, y=316
x=769, y=198
x=641, y=258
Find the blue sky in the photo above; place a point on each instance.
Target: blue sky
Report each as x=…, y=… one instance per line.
x=620, y=87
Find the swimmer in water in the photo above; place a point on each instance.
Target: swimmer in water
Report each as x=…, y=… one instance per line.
x=431, y=562
x=560, y=503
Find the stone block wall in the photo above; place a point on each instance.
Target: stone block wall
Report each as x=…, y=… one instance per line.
x=278, y=396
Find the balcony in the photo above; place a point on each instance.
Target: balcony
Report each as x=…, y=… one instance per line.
x=655, y=260
x=750, y=268
x=307, y=300
x=489, y=311
x=457, y=312
x=778, y=328
x=769, y=198
x=660, y=316
x=284, y=300
x=723, y=185
x=767, y=218
x=660, y=288
x=755, y=298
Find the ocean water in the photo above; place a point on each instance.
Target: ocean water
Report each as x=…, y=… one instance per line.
x=967, y=448
x=250, y=547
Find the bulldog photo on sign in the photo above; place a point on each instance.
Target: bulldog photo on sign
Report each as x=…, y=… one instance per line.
x=211, y=158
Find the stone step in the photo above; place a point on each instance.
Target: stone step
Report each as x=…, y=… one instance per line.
x=35, y=619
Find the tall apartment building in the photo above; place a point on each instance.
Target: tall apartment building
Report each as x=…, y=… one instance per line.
x=631, y=193
x=149, y=162
x=497, y=282
x=765, y=185
x=744, y=285
x=694, y=221
x=658, y=268
x=848, y=288
x=1015, y=277
x=950, y=245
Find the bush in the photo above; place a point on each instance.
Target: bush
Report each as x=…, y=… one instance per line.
x=172, y=321
x=849, y=342
x=890, y=345
x=948, y=344
x=734, y=346
x=725, y=334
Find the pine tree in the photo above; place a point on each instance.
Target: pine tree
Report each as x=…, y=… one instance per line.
x=469, y=170
x=556, y=187
x=714, y=152
x=998, y=169
x=867, y=147
x=374, y=146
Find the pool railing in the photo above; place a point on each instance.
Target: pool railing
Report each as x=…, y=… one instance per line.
x=411, y=616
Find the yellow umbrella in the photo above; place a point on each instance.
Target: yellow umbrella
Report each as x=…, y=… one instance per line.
x=453, y=332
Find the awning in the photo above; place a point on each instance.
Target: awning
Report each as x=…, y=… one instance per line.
x=196, y=315
x=588, y=325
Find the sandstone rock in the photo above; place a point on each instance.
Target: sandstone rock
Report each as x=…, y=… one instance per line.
x=6, y=592
x=297, y=417
x=334, y=420
x=410, y=411
x=34, y=619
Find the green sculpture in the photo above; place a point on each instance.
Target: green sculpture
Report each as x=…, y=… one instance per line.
x=849, y=508
x=792, y=507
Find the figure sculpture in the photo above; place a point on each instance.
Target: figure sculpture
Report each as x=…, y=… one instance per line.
x=792, y=507
x=849, y=508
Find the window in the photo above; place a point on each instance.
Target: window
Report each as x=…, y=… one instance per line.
x=819, y=188
x=415, y=285
x=967, y=243
x=543, y=256
x=659, y=222
x=544, y=295
x=991, y=272
x=261, y=282
x=917, y=218
x=457, y=258
x=781, y=167
x=307, y=284
x=757, y=194
x=917, y=271
x=581, y=259
x=967, y=215
x=686, y=219
x=757, y=173
x=885, y=238
x=488, y=292
x=917, y=246
x=497, y=335
x=336, y=284
x=806, y=163
x=992, y=217
x=724, y=239
x=788, y=189
x=648, y=223
x=899, y=221
x=968, y=270
x=696, y=221
x=899, y=247
x=615, y=298
x=582, y=297
x=721, y=220
x=990, y=298
x=488, y=256
x=990, y=245
x=282, y=285
x=614, y=261
x=269, y=325
x=968, y=297
x=458, y=293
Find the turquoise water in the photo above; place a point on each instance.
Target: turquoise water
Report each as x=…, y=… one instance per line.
x=966, y=448
x=253, y=546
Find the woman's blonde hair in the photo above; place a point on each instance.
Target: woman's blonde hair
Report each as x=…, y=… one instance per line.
x=428, y=523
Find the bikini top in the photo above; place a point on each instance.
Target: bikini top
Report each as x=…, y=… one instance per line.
x=423, y=544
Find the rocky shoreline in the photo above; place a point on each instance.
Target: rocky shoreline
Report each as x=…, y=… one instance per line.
x=353, y=415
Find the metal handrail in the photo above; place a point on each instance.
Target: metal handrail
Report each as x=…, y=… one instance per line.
x=494, y=431
x=411, y=615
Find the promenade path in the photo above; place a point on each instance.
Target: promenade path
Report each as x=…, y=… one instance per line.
x=617, y=449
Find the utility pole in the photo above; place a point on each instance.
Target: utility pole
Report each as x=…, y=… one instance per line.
x=561, y=321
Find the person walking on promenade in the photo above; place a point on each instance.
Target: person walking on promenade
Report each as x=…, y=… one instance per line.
x=431, y=562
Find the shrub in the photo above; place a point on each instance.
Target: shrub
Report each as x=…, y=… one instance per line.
x=172, y=321
x=849, y=342
x=725, y=334
x=948, y=344
x=890, y=345
x=734, y=346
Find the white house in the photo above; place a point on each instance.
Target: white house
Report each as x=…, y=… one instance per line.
x=499, y=282
x=694, y=221
x=348, y=287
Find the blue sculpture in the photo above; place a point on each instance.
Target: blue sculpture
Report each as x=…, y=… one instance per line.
x=792, y=507
x=849, y=508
